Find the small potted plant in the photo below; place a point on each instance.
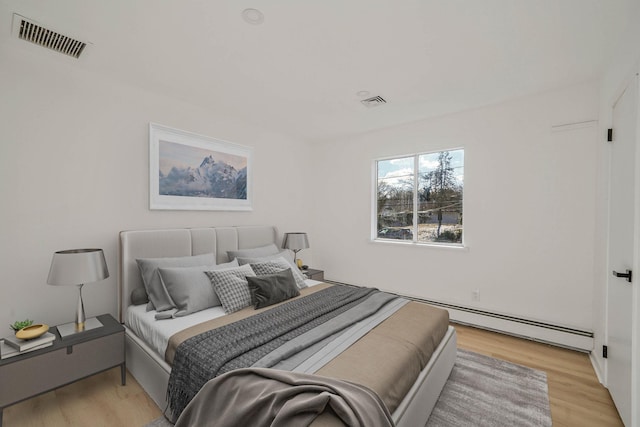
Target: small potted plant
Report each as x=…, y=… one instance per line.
x=21, y=324
x=26, y=330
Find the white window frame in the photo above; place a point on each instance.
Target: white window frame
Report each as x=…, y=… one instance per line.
x=374, y=203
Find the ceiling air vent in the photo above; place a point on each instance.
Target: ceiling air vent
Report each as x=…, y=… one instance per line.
x=30, y=31
x=374, y=101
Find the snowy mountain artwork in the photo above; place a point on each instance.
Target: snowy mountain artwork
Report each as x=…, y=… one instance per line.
x=193, y=176
x=212, y=178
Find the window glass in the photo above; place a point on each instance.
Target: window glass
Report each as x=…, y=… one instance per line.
x=441, y=179
x=395, y=196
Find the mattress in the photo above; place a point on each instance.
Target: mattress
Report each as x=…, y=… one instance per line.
x=156, y=333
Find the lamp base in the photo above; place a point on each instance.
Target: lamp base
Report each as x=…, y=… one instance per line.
x=73, y=328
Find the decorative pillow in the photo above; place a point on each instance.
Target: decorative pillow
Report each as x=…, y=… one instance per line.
x=190, y=288
x=232, y=287
x=269, y=249
x=272, y=288
x=275, y=266
x=139, y=296
x=158, y=296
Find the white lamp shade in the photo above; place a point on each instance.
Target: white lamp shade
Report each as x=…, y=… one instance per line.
x=295, y=241
x=77, y=267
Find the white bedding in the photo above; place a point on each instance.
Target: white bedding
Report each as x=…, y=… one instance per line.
x=156, y=333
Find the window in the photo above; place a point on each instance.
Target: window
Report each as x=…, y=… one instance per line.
x=419, y=197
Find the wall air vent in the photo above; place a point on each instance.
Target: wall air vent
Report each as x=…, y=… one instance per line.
x=32, y=32
x=374, y=101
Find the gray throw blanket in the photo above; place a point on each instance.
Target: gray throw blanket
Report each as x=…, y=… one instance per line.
x=277, y=398
x=242, y=343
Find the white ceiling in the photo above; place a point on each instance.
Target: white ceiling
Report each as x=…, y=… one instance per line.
x=300, y=71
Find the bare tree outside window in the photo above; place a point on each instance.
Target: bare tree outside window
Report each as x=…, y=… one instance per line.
x=440, y=197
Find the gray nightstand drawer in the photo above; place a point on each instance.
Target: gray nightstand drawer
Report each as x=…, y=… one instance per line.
x=314, y=274
x=30, y=376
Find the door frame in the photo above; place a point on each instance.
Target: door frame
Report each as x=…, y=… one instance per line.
x=635, y=329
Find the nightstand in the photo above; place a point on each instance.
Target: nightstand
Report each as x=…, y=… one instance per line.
x=68, y=360
x=311, y=273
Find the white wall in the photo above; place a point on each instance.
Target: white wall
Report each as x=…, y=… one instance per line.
x=74, y=160
x=529, y=209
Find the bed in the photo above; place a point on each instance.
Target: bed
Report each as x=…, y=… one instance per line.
x=147, y=357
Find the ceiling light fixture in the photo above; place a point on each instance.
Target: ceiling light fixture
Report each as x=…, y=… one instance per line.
x=363, y=93
x=253, y=16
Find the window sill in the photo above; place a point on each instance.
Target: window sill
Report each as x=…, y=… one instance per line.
x=445, y=246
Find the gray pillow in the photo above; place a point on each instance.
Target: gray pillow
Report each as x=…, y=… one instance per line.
x=232, y=287
x=269, y=249
x=158, y=296
x=276, y=265
x=190, y=288
x=272, y=288
x=284, y=254
x=139, y=296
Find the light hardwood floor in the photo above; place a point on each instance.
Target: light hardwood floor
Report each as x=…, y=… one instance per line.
x=97, y=401
x=576, y=396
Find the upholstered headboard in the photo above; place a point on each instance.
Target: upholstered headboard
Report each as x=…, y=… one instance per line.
x=177, y=242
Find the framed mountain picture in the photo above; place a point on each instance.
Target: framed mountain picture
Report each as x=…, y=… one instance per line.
x=195, y=172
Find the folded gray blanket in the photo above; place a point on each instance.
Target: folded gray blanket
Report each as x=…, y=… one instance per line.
x=268, y=397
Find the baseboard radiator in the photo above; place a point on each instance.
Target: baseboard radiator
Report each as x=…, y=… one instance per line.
x=562, y=336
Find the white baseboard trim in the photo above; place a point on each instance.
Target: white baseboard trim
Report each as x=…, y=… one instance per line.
x=559, y=337
x=597, y=368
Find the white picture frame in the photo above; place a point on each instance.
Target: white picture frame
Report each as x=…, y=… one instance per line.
x=188, y=171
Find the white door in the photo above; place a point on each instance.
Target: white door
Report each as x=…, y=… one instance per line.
x=621, y=250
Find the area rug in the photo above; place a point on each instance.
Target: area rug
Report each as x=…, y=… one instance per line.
x=484, y=392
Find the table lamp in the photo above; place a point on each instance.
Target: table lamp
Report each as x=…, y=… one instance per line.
x=77, y=267
x=296, y=242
